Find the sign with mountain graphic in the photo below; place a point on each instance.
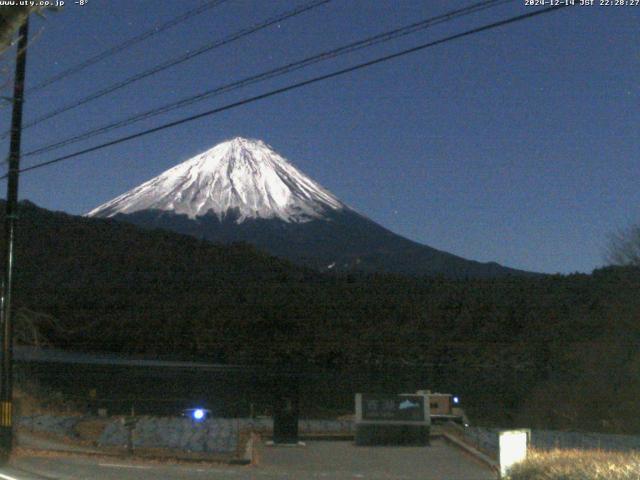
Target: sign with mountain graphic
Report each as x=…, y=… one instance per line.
x=393, y=407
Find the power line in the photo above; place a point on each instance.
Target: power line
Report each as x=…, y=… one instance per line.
x=178, y=60
x=126, y=44
x=294, y=86
x=276, y=72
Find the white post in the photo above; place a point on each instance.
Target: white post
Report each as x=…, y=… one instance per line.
x=513, y=448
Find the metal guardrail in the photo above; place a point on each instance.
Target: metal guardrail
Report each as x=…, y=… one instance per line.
x=548, y=440
x=483, y=440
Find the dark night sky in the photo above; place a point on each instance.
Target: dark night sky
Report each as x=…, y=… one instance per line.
x=519, y=145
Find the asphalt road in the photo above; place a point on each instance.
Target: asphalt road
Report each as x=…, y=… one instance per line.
x=317, y=460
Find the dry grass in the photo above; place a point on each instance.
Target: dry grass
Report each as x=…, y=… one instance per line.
x=26, y=403
x=30, y=402
x=577, y=465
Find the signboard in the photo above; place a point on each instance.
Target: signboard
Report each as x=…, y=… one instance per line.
x=285, y=420
x=409, y=408
x=285, y=410
x=398, y=409
x=392, y=419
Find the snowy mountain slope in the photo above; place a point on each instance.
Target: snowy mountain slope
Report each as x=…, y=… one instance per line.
x=246, y=177
x=243, y=191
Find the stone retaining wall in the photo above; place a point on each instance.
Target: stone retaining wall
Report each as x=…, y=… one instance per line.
x=213, y=435
x=209, y=436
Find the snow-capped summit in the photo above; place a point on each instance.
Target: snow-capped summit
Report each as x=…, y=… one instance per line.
x=242, y=176
x=243, y=191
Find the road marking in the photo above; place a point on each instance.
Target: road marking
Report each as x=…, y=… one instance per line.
x=120, y=465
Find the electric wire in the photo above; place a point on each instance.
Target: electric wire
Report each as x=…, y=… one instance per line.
x=176, y=61
x=273, y=73
x=126, y=44
x=294, y=86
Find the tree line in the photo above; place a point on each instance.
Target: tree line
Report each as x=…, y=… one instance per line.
x=556, y=351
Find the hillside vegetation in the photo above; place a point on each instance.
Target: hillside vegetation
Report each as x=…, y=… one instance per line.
x=552, y=351
x=577, y=465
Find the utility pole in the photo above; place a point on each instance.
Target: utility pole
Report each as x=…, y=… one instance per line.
x=6, y=330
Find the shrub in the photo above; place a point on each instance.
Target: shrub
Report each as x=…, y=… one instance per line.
x=577, y=465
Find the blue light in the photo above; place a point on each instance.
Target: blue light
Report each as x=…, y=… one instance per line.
x=198, y=414
x=456, y=400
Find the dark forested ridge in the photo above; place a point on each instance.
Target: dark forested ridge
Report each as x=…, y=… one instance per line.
x=343, y=241
x=548, y=351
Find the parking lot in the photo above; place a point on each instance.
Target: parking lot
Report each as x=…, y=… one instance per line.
x=344, y=460
x=316, y=460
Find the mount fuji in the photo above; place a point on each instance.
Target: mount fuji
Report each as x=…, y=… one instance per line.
x=243, y=190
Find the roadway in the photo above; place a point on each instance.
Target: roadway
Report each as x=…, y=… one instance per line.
x=317, y=460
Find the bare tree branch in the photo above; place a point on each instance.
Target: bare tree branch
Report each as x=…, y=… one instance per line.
x=624, y=247
x=11, y=18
